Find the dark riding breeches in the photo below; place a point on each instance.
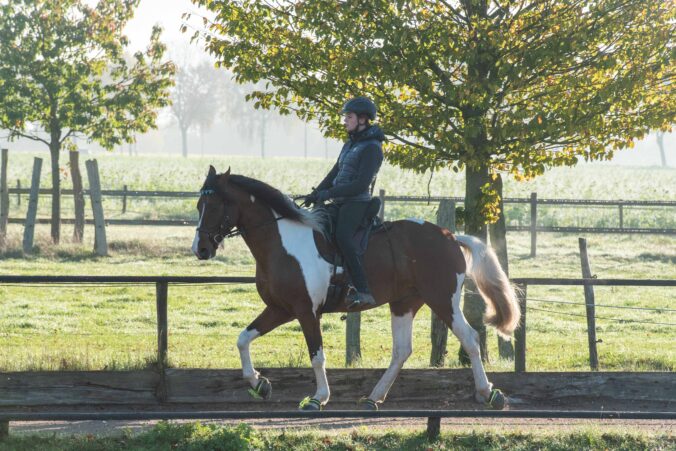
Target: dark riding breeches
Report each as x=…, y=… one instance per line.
x=349, y=217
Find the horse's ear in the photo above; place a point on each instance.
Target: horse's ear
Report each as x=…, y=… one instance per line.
x=212, y=171
x=227, y=173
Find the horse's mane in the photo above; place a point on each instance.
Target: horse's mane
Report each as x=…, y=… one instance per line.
x=278, y=201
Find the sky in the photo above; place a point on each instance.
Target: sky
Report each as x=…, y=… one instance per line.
x=167, y=13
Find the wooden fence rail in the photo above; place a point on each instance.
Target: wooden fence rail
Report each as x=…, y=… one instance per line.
x=162, y=283
x=164, y=386
x=222, y=394
x=533, y=228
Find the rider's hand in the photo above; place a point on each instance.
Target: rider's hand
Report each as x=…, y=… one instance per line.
x=311, y=198
x=323, y=195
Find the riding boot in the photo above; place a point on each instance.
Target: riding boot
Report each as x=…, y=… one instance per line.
x=356, y=299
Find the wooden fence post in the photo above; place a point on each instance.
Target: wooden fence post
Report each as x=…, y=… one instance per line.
x=18, y=193
x=4, y=429
x=533, y=223
x=100, y=242
x=352, y=338
x=589, y=303
x=353, y=322
x=4, y=197
x=124, y=199
x=439, y=330
x=433, y=428
x=621, y=216
x=520, y=332
x=161, y=294
x=29, y=226
x=78, y=197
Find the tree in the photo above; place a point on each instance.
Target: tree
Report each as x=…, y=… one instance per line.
x=660, y=144
x=482, y=85
x=197, y=98
x=253, y=120
x=63, y=68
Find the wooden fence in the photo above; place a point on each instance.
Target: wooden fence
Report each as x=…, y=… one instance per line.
x=64, y=394
x=222, y=394
x=533, y=228
x=162, y=283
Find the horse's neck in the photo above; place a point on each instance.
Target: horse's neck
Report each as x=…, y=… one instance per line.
x=268, y=239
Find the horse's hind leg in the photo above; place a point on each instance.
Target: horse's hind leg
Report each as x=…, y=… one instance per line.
x=313, y=337
x=269, y=319
x=402, y=315
x=469, y=338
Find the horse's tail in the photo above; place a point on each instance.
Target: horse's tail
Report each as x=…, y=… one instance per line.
x=502, y=306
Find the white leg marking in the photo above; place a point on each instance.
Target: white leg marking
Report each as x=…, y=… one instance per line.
x=298, y=241
x=469, y=338
x=318, y=365
x=248, y=371
x=402, y=333
x=196, y=240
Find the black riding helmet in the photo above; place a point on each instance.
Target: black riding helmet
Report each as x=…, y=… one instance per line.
x=360, y=105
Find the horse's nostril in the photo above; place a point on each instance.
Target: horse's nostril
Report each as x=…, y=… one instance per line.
x=204, y=253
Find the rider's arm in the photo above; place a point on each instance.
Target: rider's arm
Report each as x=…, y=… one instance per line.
x=328, y=180
x=371, y=159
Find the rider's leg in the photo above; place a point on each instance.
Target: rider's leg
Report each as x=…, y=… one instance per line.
x=350, y=216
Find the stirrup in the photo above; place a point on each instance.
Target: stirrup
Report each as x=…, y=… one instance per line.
x=355, y=299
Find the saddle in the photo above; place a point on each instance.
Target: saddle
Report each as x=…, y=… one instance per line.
x=329, y=251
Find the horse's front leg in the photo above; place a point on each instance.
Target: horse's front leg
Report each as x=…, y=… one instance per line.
x=269, y=319
x=313, y=337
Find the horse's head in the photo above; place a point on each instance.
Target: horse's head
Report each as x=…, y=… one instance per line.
x=218, y=215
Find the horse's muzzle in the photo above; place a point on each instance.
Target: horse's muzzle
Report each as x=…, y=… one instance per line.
x=203, y=253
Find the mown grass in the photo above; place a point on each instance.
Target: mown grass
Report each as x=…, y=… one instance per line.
x=297, y=176
x=195, y=436
x=96, y=327
x=113, y=326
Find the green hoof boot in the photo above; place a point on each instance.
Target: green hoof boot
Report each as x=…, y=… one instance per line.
x=310, y=405
x=263, y=389
x=497, y=399
x=367, y=404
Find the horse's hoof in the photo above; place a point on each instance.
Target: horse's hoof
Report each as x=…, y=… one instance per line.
x=497, y=399
x=367, y=404
x=310, y=405
x=263, y=389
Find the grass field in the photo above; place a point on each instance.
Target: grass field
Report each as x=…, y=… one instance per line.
x=297, y=176
x=113, y=327
x=195, y=436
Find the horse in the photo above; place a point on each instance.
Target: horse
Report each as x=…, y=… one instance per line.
x=411, y=263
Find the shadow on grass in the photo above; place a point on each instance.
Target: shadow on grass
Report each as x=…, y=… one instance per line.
x=655, y=257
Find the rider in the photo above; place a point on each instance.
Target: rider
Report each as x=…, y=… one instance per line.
x=348, y=186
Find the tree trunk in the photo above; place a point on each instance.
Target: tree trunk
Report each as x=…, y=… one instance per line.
x=660, y=144
x=263, y=120
x=78, y=197
x=54, y=149
x=498, y=236
x=475, y=225
x=184, y=142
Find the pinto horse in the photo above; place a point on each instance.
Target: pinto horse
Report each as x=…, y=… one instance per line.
x=410, y=264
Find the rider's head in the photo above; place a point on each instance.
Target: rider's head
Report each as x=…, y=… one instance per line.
x=358, y=113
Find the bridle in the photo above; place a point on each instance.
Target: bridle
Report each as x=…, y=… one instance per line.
x=226, y=228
